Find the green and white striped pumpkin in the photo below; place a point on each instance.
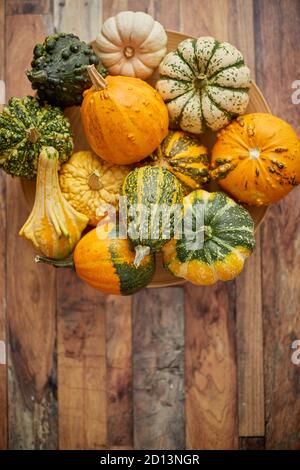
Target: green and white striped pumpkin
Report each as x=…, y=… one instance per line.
x=153, y=189
x=205, y=84
x=225, y=238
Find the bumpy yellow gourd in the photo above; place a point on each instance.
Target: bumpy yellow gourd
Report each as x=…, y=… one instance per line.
x=89, y=184
x=53, y=226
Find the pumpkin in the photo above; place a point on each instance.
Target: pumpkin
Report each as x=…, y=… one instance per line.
x=152, y=196
x=185, y=157
x=215, y=247
x=107, y=263
x=26, y=127
x=204, y=83
x=132, y=44
x=256, y=159
x=53, y=227
x=89, y=183
x=124, y=118
x=58, y=70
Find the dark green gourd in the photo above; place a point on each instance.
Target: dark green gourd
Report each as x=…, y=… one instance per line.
x=26, y=127
x=59, y=71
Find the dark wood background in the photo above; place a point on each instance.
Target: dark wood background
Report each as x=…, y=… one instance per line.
x=173, y=368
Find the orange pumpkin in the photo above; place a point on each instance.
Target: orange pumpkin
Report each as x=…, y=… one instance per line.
x=124, y=118
x=107, y=263
x=257, y=159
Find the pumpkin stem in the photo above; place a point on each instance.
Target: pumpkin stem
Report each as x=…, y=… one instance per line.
x=62, y=263
x=128, y=52
x=140, y=253
x=33, y=135
x=94, y=181
x=97, y=79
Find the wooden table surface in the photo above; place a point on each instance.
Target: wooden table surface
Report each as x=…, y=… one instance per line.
x=173, y=368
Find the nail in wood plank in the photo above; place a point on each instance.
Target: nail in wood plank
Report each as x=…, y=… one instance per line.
x=158, y=361
x=30, y=288
x=276, y=26
x=211, y=408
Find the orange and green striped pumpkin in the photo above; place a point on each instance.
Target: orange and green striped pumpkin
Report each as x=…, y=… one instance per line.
x=185, y=157
x=107, y=263
x=227, y=240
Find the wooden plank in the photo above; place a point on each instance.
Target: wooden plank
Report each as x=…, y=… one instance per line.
x=211, y=409
x=228, y=21
x=3, y=370
x=23, y=7
x=155, y=423
x=81, y=365
x=276, y=26
x=80, y=17
x=30, y=288
x=104, y=417
x=119, y=372
x=250, y=347
x=158, y=362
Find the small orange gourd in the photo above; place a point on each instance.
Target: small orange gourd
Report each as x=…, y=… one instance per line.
x=256, y=159
x=106, y=262
x=124, y=118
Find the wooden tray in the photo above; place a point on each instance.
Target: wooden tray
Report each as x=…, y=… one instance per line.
x=257, y=103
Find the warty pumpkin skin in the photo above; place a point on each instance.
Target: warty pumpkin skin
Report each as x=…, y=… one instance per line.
x=53, y=226
x=256, y=159
x=185, y=157
x=107, y=264
x=228, y=239
x=87, y=182
x=25, y=128
x=124, y=118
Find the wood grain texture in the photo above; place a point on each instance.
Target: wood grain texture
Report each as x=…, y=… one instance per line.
x=30, y=288
x=280, y=232
x=3, y=347
x=100, y=415
x=23, y=7
x=81, y=365
x=119, y=372
x=80, y=17
x=250, y=347
x=228, y=21
x=211, y=408
x=158, y=362
x=252, y=443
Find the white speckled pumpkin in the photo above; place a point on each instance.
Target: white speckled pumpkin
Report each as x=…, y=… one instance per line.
x=131, y=44
x=87, y=182
x=205, y=84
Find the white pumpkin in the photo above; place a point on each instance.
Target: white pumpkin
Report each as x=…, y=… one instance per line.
x=131, y=44
x=205, y=84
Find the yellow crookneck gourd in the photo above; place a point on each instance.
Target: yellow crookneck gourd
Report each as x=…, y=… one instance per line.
x=53, y=226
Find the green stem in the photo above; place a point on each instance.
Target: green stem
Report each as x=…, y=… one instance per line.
x=57, y=263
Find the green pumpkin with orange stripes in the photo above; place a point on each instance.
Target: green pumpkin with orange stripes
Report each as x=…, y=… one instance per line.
x=215, y=246
x=152, y=194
